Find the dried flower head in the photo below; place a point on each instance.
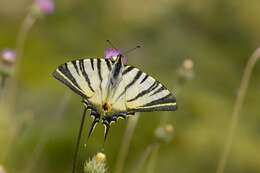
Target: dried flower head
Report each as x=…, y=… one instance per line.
x=112, y=54
x=165, y=133
x=8, y=56
x=45, y=6
x=97, y=164
x=186, y=71
x=188, y=64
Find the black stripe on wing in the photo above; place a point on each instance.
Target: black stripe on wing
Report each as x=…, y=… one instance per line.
x=99, y=69
x=92, y=63
x=137, y=76
x=108, y=62
x=128, y=69
x=146, y=76
x=117, y=68
x=84, y=73
x=144, y=92
x=165, y=103
x=157, y=108
x=70, y=81
x=75, y=66
x=164, y=100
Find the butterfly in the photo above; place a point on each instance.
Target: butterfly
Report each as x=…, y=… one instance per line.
x=111, y=89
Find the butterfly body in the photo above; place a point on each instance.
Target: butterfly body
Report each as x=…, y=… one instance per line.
x=113, y=90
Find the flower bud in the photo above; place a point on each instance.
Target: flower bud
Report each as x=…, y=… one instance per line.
x=45, y=7
x=188, y=64
x=186, y=71
x=165, y=133
x=7, y=61
x=100, y=157
x=8, y=56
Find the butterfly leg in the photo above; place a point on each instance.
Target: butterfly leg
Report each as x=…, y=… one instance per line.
x=96, y=118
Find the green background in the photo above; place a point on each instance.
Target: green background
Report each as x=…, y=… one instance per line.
x=218, y=35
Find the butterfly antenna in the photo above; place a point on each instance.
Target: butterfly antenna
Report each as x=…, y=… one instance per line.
x=110, y=43
x=75, y=158
x=132, y=49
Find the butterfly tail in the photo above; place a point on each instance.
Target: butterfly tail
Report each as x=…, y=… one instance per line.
x=96, y=120
x=107, y=127
x=107, y=121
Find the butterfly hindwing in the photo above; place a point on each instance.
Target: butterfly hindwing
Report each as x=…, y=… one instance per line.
x=146, y=94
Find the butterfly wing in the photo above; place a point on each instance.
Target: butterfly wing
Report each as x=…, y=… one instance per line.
x=143, y=93
x=87, y=77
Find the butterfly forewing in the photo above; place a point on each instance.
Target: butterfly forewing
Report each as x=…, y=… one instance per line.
x=87, y=77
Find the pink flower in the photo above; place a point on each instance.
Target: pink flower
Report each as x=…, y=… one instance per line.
x=8, y=56
x=45, y=6
x=112, y=54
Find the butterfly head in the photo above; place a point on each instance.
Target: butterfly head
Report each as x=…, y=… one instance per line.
x=114, y=55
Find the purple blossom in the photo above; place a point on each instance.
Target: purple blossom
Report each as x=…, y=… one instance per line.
x=112, y=53
x=45, y=6
x=8, y=56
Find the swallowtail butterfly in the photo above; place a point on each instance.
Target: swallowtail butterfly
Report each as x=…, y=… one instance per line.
x=112, y=90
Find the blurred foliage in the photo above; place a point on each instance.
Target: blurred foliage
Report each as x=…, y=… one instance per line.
x=218, y=35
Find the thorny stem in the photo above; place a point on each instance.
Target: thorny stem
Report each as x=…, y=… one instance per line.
x=75, y=158
x=122, y=154
x=39, y=148
x=237, y=109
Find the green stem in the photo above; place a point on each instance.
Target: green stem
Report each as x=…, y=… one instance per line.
x=122, y=154
x=147, y=152
x=11, y=89
x=152, y=161
x=237, y=109
x=27, y=24
x=75, y=158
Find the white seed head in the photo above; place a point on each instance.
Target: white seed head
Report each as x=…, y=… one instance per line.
x=97, y=164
